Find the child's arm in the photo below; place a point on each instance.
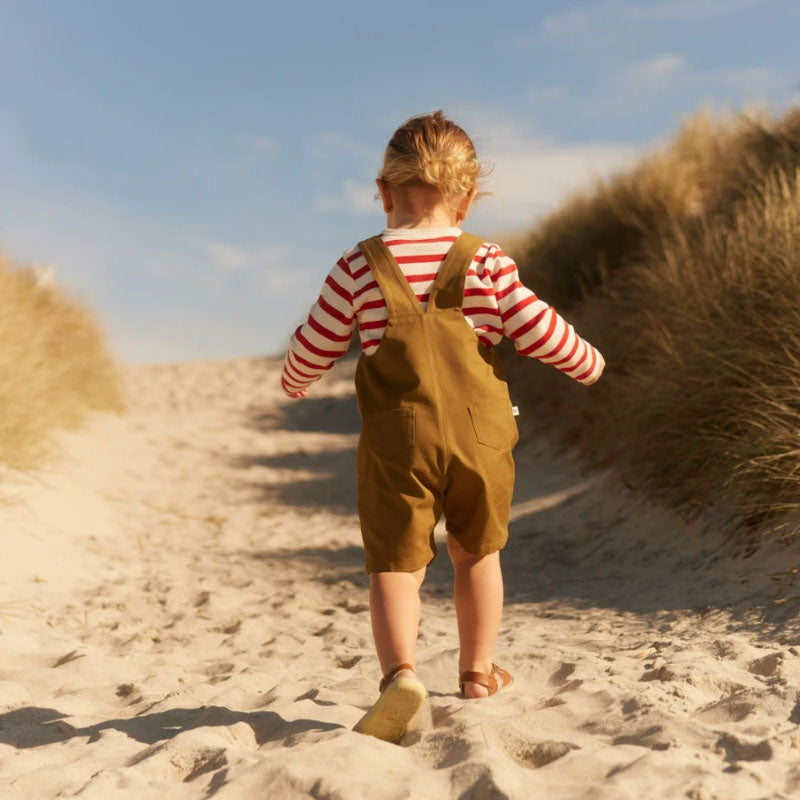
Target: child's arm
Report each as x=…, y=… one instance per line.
x=536, y=328
x=324, y=336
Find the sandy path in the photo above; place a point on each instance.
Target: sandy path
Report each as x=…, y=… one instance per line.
x=185, y=616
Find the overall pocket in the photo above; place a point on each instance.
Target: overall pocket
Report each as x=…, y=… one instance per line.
x=389, y=432
x=494, y=424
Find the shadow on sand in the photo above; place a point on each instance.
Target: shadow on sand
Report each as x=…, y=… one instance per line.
x=604, y=562
x=32, y=726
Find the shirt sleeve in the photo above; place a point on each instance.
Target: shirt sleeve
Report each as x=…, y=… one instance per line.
x=536, y=328
x=325, y=335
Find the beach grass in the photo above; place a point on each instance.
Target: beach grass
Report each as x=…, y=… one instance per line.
x=54, y=365
x=685, y=272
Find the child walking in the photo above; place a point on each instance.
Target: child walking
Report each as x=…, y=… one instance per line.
x=438, y=428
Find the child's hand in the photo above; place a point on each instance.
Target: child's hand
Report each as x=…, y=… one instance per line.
x=601, y=365
x=301, y=393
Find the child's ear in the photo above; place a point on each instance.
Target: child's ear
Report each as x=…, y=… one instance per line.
x=463, y=206
x=386, y=194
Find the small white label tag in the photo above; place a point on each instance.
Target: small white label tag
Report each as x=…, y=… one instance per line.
x=515, y=410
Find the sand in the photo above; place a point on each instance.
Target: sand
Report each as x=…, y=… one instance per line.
x=184, y=615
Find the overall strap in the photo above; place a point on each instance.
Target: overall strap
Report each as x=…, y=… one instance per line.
x=399, y=296
x=448, y=288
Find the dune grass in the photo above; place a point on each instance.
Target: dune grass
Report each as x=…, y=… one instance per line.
x=685, y=272
x=54, y=366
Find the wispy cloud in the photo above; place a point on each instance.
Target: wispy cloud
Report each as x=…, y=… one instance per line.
x=530, y=178
x=257, y=144
x=351, y=197
x=327, y=145
x=581, y=20
x=652, y=73
x=273, y=267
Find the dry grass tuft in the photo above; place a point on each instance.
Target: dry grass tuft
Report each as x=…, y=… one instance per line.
x=686, y=274
x=54, y=366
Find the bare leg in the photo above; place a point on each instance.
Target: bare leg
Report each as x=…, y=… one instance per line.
x=394, y=607
x=479, y=606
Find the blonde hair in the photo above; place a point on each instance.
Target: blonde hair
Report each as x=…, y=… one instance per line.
x=430, y=149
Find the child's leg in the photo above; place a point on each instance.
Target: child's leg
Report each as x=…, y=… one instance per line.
x=479, y=607
x=394, y=607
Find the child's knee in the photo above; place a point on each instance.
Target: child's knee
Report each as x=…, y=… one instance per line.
x=458, y=555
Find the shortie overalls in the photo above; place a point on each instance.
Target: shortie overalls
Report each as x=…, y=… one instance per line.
x=437, y=423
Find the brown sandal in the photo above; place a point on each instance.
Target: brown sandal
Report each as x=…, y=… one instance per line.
x=389, y=676
x=495, y=682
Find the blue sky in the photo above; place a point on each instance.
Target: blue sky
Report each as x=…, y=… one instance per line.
x=193, y=169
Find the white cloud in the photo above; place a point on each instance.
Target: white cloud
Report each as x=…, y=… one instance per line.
x=652, y=73
x=582, y=20
x=334, y=144
x=257, y=144
x=272, y=267
x=530, y=178
x=228, y=257
x=352, y=196
x=530, y=173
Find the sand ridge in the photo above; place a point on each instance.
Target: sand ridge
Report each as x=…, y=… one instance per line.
x=185, y=616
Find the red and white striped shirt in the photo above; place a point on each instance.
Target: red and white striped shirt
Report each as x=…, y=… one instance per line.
x=495, y=303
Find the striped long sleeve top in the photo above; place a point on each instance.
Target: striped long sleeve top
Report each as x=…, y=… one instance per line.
x=496, y=303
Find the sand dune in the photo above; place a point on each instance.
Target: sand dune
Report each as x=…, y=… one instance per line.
x=185, y=615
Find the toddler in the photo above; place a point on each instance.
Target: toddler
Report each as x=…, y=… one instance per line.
x=431, y=302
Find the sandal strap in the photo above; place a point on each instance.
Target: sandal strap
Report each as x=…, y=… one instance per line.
x=481, y=678
x=489, y=681
x=388, y=677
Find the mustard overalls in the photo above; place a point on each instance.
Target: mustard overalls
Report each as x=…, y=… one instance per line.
x=437, y=422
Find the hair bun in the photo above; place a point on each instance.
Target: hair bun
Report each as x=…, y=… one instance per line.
x=431, y=149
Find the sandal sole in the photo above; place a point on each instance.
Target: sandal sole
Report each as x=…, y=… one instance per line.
x=388, y=719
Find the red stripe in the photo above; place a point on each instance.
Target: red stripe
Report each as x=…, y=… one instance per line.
x=334, y=312
x=475, y=292
x=288, y=386
x=559, y=345
x=353, y=256
x=390, y=242
x=428, y=276
x=344, y=267
x=373, y=304
x=289, y=373
x=365, y=288
x=504, y=271
x=510, y=288
x=421, y=259
x=290, y=366
x=358, y=273
x=369, y=343
x=490, y=329
x=580, y=361
x=326, y=332
x=591, y=368
x=515, y=309
x=571, y=354
x=486, y=341
x=473, y=311
x=544, y=338
x=318, y=351
x=367, y=326
x=338, y=289
x=305, y=362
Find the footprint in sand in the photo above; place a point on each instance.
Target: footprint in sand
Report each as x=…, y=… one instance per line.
x=736, y=748
x=767, y=666
x=560, y=676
